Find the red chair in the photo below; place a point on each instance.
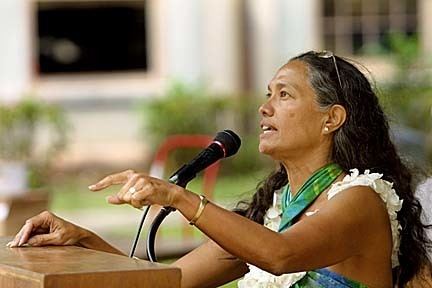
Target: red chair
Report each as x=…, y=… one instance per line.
x=174, y=142
x=157, y=169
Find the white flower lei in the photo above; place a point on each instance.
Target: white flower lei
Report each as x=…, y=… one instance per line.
x=258, y=278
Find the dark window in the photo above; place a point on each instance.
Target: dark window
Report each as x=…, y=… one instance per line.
x=364, y=26
x=91, y=36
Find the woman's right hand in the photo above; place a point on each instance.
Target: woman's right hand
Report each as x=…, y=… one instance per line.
x=48, y=229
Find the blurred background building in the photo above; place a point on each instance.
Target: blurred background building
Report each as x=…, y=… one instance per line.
x=95, y=58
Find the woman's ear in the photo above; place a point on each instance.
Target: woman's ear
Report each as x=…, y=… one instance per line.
x=336, y=117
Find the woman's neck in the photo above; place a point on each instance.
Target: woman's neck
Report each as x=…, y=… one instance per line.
x=299, y=171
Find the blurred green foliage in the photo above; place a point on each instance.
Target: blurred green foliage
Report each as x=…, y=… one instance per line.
x=410, y=106
x=194, y=110
x=409, y=94
x=182, y=110
x=407, y=98
x=19, y=125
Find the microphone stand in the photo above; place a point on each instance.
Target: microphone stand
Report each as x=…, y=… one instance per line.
x=151, y=255
x=163, y=213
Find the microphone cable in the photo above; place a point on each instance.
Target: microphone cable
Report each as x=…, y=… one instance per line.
x=137, y=236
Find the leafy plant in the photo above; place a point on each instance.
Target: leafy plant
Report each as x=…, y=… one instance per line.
x=20, y=124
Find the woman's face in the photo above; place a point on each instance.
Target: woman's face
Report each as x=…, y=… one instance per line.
x=292, y=122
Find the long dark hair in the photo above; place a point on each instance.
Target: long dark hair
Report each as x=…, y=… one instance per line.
x=363, y=142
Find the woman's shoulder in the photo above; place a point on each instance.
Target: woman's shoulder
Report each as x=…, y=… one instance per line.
x=369, y=190
x=366, y=187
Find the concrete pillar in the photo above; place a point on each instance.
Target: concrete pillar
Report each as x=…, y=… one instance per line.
x=281, y=29
x=182, y=28
x=221, y=35
x=15, y=49
x=300, y=27
x=263, y=22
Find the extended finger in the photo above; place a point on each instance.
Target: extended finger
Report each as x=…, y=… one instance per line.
x=25, y=235
x=113, y=199
x=44, y=239
x=113, y=179
x=16, y=240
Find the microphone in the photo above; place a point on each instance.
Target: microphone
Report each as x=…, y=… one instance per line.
x=225, y=144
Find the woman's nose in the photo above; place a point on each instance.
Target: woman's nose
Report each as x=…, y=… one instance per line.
x=266, y=109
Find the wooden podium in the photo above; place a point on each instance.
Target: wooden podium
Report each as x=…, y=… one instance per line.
x=75, y=267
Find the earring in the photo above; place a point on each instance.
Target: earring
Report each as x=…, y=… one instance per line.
x=326, y=129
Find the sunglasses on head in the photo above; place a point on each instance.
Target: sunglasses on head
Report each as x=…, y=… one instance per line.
x=328, y=54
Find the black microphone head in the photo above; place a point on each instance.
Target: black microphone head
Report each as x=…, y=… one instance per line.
x=230, y=141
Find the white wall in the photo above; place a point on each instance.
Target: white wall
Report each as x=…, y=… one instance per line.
x=15, y=52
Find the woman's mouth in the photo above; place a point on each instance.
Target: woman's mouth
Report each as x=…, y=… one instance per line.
x=267, y=129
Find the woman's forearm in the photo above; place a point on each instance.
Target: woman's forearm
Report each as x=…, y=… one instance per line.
x=236, y=234
x=92, y=241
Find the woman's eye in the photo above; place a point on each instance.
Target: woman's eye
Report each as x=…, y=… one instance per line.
x=268, y=95
x=284, y=94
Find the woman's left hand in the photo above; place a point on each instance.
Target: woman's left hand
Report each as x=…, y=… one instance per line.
x=139, y=189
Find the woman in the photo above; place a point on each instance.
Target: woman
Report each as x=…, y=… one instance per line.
x=324, y=225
